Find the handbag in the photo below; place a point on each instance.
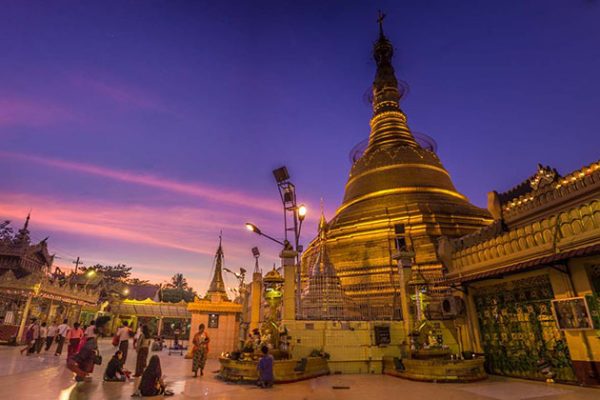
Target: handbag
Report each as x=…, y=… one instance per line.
x=115, y=340
x=98, y=359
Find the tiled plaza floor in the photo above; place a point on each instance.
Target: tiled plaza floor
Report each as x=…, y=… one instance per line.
x=45, y=377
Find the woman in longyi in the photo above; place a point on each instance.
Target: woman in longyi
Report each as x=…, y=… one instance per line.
x=200, y=350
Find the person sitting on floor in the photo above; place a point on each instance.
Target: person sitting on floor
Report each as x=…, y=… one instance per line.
x=265, y=369
x=114, y=370
x=152, y=383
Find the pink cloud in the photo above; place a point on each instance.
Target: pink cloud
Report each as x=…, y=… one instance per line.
x=214, y=194
x=156, y=240
x=20, y=111
x=185, y=229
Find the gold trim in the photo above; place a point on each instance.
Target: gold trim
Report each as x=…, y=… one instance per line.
x=409, y=189
x=388, y=167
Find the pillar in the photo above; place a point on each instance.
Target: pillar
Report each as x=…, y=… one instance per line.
x=24, y=318
x=160, y=326
x=255, y=300
x=288, y=262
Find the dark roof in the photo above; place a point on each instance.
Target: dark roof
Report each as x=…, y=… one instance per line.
x=539, y=262
x=142, y=292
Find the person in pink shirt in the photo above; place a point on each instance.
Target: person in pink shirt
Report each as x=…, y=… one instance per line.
x=74, y=336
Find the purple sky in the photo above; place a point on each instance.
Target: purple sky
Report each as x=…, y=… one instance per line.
x=136, y=131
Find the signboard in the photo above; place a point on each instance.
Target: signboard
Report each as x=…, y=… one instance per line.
x=572, y=313
x=382, y=335
x=213, y=320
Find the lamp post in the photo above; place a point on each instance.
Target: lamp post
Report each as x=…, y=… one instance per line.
x=293, y=216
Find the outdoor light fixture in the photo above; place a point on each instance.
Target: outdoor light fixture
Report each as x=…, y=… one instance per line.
x=126, y=291
x=90, y=273
x=254, y=228
x=302, y=212
x=281, y=174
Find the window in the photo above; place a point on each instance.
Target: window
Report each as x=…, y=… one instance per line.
x=213, y=320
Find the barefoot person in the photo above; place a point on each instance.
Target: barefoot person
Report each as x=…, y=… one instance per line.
x=152, y=383
x=52, y=331
x=124, y=333
x=265, y=369
x=61, y=337
x=114, y=370
x=32, y=330
x=200, y=350
x=142, y=345
x=74, y=336
x=82, y=363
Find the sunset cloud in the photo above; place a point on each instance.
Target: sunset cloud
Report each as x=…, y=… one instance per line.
x=185, y=229
x=221, y=195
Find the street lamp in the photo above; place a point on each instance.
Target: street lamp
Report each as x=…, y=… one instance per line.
x=255, y=229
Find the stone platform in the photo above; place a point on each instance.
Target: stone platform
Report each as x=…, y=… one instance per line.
x=46, y=378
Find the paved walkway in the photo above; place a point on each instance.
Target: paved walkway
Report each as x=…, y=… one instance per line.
x=45, y=377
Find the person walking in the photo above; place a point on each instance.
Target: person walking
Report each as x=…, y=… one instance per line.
x=39, y=343
x=74, y=336
x=52, y=331
x=124, y=334
x=142, y=346
x=61, y=337
x=200, y=350
x=29, y=339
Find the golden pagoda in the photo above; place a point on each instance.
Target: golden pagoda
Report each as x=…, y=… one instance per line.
x=216, y=290
x=324, y=298
x=398, y=197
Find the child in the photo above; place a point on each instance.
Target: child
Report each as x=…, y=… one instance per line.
x=265, y=369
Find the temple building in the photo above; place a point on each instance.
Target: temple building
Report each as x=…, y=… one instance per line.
x=531, y=280
x=398, y=192
x=29, y=288
x=219, y=315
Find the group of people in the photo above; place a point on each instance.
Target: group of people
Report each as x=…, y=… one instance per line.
x=41, y=335
x=83, y=353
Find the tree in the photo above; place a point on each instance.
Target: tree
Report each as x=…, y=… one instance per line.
x=179, y=282
x=177, y=290
x=138, y=282
x=6, y=231
x=113, y=279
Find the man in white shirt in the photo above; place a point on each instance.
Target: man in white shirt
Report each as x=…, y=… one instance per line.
x=90, y=331
x=62, y=334
x=39, y=341
x=52, y=330
x=124, y=333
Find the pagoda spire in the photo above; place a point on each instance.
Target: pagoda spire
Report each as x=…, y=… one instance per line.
x=388, y=125
x=217, y=285
x=22, y=237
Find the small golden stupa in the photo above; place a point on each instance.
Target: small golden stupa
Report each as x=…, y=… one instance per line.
x=398, y=197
